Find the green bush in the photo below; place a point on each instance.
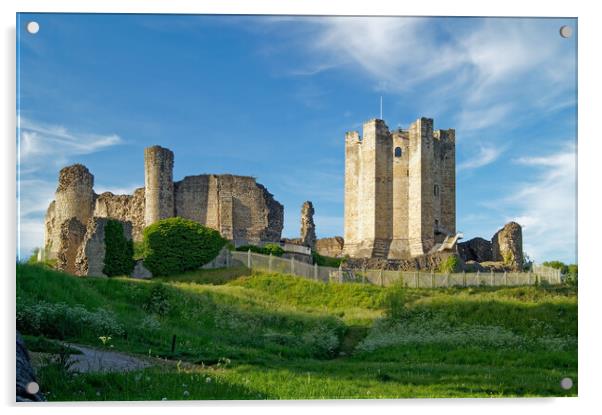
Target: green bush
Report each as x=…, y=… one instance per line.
x=451, y=264
x=176, y=245
x=326, y=261
x=157, y=301
x=268, y=249
x=273, y=249
x=119, y=252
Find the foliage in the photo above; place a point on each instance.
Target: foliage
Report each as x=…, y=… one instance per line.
x=158, y=300
x=451, y=264
x=139, y=250
x=273, y=249
x=177, y=245
x=326, y=261
x=268, y=249
x=294, y=338
x=119, y=251
x=60, y=320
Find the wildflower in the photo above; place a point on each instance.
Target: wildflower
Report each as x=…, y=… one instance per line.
x=163, y=399
x=208, y=380
x=184, y=385
x=186, y=393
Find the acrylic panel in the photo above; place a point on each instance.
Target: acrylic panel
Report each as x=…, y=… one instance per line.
x=239, y=207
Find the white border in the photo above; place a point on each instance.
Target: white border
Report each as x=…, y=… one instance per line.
x=590, y=233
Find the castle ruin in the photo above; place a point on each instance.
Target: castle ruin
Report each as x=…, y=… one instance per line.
x=400, y=190
x=241, y=209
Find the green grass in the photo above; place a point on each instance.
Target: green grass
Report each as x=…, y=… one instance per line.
x=269, y=336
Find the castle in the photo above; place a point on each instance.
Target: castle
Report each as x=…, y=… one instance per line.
x=241, y=209
x=400, y=190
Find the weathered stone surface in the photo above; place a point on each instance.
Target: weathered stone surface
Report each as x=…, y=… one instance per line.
x=429, y=262
x=332, y=247
x=241, y=209
x=74, y=198
x=298, y=257
x=476, y=249
x=91, y=255
x=158, y=184
x=308, y=228
x=400, y=190
x=25, y=374
x=71, y=236
x=140, y=271
x=507, y=245
x=128, y=208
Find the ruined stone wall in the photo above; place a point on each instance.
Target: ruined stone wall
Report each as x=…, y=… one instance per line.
x=308, y=228
x=74, y=198
x=237, y=206
x=158, y=184
x=332, y=247
x=126, y=208
x=91, y=251
x=71, y=236
x=507, y=245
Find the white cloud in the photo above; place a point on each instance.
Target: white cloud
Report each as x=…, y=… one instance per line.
x=43, y=148
x=46, y=144
x=485, y=71
x=486, y=154
x=547, y=206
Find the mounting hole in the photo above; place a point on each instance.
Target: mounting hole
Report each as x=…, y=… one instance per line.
x=32, y=388
x=566, y=383
x=566, y=31
x=33, y=27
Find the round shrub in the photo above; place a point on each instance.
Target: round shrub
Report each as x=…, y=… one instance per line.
x=273, y=249
x=177, y=245
x=119, y=251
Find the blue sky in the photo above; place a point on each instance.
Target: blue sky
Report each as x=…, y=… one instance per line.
x=272, y=97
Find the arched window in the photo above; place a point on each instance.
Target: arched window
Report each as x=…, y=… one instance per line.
x=397, y=151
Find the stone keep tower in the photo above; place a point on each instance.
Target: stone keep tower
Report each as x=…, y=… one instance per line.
x=158, y=184
x=74, y=198
x=400, y=191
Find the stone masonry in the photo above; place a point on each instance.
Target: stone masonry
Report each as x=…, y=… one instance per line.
x=308, y=228
x=91, y=252
x=241, y=209
x=506, y=247
x=400, y=190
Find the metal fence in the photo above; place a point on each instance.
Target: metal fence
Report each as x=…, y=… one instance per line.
x=414, y=279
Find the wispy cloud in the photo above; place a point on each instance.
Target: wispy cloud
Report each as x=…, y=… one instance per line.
x=43, y=148
x=485, y=155
x=41, y=144
x=546, y=205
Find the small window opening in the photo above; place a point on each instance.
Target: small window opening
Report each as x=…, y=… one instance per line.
x=436, y=190
x=397, y=151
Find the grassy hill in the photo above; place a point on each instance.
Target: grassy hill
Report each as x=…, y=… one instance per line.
x=243, y=335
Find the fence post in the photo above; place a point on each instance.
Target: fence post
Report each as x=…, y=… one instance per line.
x=292, y=265
x=380, y=275
x=447, y=280
x=340, y=273
x=529, y=277
x=270, y=263
x=316, y=271
x=401, y=278
x=464, y=278
x=417, y=279
x=505, y=278
x=432, y=279
x=364, y=274
x=249, y=259
x=491, y=279
x=478, y=278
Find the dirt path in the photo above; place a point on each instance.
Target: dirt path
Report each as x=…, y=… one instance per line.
x=95, y=360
